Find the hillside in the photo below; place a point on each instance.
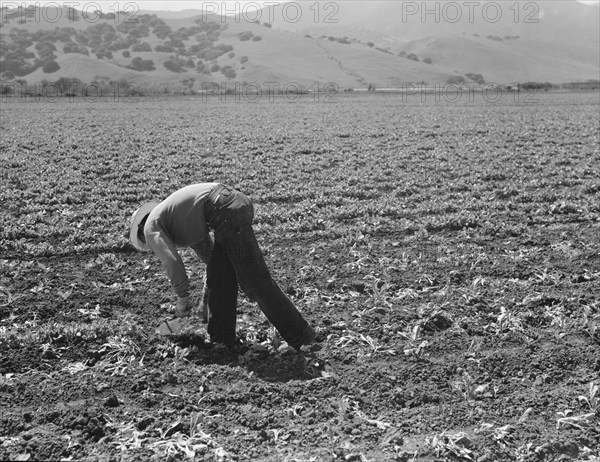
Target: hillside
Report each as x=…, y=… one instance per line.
x=555, y=41
x=184, y=50
x=519, y=60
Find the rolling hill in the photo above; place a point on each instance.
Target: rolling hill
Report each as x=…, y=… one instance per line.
x=371, y=43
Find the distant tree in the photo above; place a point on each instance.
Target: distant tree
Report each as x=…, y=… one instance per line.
x=126, y=54
x=428, y=61
x=478, y=78
x=536, y=86
x=413, y=57
x=370, y=44
x=455, y=79
x=6, y=89
x=68, y=86
x=244, y=59
x=402, y=54
x=50, y=66
x=267, y=24
x=189, y=83
x=215, y=68
x=256, y=38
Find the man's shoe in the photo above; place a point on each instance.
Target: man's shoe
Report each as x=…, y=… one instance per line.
x=306, y=338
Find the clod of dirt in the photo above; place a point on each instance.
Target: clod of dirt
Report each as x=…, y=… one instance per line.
x=145, y=423
x=112, y=401
x=436, y=322
x=358, y=286
x=581, y=278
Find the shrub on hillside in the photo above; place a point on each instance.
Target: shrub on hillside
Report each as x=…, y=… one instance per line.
x=15, y=67
x=245, y=36
x=175, y=64
x=211, y=52
x=119, y=44
x=228, y=72
x=201, y=68
x=175, y=43
x=412, y=57
x=50, y=66
x=100, y=35
x=141, y=47
x=72, y=47
x=164, y=48
x=142, y=65
x=133, y=29
x=161, y=29
x=103, y=53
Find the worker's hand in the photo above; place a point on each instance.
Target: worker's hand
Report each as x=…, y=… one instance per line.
x=183, y=308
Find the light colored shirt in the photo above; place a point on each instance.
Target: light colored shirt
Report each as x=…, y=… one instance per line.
x=179, y=221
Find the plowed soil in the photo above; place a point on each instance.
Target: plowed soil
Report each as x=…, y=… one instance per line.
x=446, y=252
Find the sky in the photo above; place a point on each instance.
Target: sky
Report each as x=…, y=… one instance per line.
x=146, y=4
x=176, y=5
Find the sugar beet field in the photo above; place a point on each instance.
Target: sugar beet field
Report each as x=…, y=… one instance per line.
x=447, y=253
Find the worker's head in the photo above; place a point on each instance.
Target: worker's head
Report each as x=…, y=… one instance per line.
x=136, y=225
